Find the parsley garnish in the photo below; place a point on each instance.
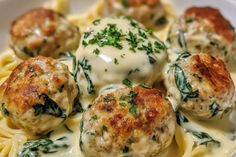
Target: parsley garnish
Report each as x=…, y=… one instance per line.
x=116, y=61
x=94, y=117
x=109, y=36
x=96, y=51
x=127, y=82
x=133, y=41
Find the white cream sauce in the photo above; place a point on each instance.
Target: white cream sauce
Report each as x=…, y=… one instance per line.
x=112, y=65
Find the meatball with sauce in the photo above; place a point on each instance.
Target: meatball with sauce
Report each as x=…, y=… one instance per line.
x=149, y=12
x=39, y=95
x=200, y=85
x=43, y=32
x=114, y=49
x=133, y=121
x=204, y=29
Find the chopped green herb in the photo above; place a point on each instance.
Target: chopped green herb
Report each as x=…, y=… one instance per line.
x=127, y=82
x=84, y=43
x=49, y=107
x=182, y=84
x=159, y=46
x=4, y=109
x=96, y=51
x=148, y=48
x=132, y=41
x=116, y=61
x=133, y=109
x=110, y=36
x=134, y=24
x=122, y=104
x=142, y=34
x=181, y=40
x=87, y=34
x=94, y=117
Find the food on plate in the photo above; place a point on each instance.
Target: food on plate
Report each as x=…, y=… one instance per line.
x=43, y=32
x=113, y=49
x=201, y=85
x=204, y=29
x=38, y=96
x=133, y=121
x=149, y=12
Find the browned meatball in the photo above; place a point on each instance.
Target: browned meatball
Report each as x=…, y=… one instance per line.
x=39, y=94
x=129, y=121
x=43, y=32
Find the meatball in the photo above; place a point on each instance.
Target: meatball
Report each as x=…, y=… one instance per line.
x=122, y=48
x=149, y=12
x=38, y=96
x=200, y=85
x=43, y=32
x=128, y=122
x=204, y=29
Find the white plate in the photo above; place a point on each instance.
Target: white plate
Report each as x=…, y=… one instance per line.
x=10, y=9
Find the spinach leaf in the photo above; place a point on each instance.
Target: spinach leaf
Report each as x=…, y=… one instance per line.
x=36, y=147
x=4, y=110
x=181, y=40
x=69, y=55
x=180, y=118
x=183, y=56
x=86, y=69
x=215, y=109
x=182, y=84
x=204, y=138
x=49, y=107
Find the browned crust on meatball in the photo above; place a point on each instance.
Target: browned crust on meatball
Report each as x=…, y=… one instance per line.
x=24, y=86
x=151, y=109
x=213, y=71
x=24, y=24
x=150, y=3
x=220, y=24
